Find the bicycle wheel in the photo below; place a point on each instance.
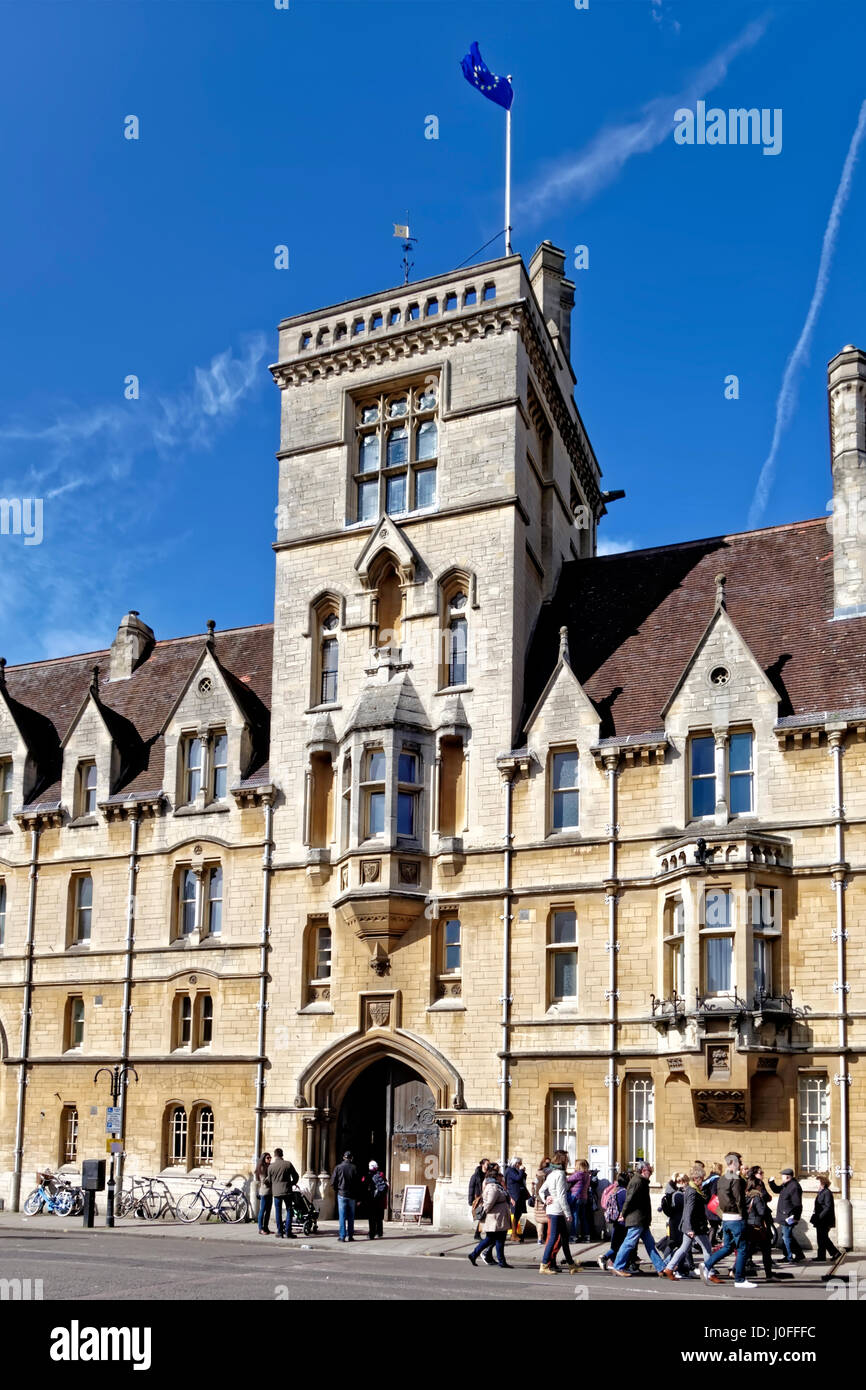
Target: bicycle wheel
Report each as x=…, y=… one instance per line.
x=232, y=1207
x=124, y=1204
x=190, y=1207
x=64, y=1202
x=150, y=1206
x=33, y=1204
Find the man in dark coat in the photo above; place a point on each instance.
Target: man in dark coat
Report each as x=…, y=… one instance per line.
x=731, y=1192
x=789, y=1209
x=637, y=1215
x=824, y=1219
x=283, y=1178
x=344, y=1181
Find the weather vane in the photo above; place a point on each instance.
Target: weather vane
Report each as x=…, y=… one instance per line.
x=401, y=229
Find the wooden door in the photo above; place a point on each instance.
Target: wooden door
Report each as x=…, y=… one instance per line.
x=414, y=1136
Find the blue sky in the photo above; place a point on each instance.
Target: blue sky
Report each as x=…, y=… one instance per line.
x=306, y=127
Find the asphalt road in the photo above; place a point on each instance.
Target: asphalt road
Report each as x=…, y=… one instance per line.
x=123, y=1266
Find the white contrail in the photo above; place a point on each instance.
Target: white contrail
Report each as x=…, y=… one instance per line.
x=583, y=174
x=787, y=394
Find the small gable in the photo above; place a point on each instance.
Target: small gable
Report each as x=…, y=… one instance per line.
x=722, y=682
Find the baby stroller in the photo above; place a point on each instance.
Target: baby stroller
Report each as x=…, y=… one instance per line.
x=304, y=1214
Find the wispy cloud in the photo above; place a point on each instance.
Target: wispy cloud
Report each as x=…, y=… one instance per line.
x=609, y=545
x=115, y=435
x=582, y=175
x=102, y=473
x=787, y=397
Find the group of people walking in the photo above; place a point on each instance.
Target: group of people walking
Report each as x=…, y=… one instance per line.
x=724, y=1212
x=276, y=1178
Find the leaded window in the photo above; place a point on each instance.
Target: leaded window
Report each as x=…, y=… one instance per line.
x=740, y=774
x=193, y=757
x=219, y=773
x=565, y=790
x=814, y=1107
x=562, y=955
x=83, y=907
x=703, y=772
x=5, y=790
x=323, y=953
x=396, y=452
x=204, y=1137
x=563, y=1123
x=177, y=1131
x=408, y=792
x=215, y=900
x=458, y=632
x=640, y=1120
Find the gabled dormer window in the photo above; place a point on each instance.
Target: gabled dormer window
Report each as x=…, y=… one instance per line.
x=564, y=790
x=193, y=762
x=219, y=768
x=85, y=794
x=740, y=774
x=5, y=790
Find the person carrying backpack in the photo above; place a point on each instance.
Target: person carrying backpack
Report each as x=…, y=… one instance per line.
x=376, y=1195
x=612, y=1202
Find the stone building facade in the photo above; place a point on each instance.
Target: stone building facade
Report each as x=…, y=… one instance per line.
x=487, y=844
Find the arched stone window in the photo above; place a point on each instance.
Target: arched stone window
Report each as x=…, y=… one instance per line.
x=175, y=1137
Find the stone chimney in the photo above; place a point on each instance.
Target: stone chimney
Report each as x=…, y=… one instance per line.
x=846, y=385
x=554, y=293
x=130, y=648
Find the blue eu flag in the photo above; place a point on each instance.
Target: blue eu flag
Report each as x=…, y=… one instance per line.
x=478, y=74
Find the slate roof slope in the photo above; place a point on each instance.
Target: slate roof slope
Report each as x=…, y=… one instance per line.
x=635, y=619
x=136, y=709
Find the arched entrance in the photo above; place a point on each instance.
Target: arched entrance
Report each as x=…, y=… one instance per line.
x=388, y=1114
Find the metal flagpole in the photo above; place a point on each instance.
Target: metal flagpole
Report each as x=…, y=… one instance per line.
x=508, y=179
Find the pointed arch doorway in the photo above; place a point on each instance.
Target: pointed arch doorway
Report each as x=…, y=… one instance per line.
x=388, y=1114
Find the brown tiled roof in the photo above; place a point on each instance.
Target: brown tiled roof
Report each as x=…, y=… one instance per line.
x=635, y=619
x=51, y=692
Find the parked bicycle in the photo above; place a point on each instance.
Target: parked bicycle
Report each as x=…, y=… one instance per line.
x=228, y=1203
x=55, y=1195
x=148, y=1199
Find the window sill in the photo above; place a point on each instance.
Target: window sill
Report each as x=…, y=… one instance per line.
x=571, y=832
x=454, y=690
x=563, y=1007
x=317, y=1008
x=211, y=809
x=322, y=709
x=78, y=947
x=452, y=1006
x=80, y=821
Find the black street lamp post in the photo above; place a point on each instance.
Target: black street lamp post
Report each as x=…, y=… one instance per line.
x=118, y=1077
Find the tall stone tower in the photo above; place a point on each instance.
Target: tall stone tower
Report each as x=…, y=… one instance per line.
x=434, y=476
x=847, y=391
